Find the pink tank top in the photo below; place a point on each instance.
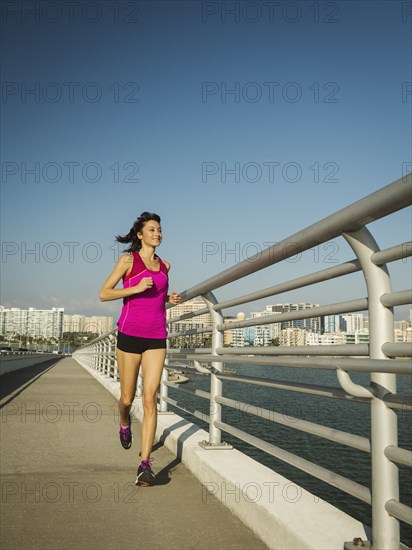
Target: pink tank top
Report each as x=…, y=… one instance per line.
x=144, y=314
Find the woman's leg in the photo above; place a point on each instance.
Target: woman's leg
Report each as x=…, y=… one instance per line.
x=128, y=365
x=152, y=367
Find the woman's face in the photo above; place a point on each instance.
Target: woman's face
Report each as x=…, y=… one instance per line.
x=151, y=233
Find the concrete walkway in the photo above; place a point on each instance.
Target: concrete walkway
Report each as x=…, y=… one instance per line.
x=68, y=484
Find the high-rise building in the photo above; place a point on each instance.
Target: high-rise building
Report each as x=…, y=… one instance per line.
x=94, y=324
x=235, y=337
x=238, y=337
x=332, y=323
x=311, y=324
x=355, y=322
x=265, y=334
x=73, y=323
x=32, y=322
x=293, y=337
x=192, y=323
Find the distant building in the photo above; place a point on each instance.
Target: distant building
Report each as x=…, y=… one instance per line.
x=265, y=334
x=32, y=322
x=293, y=337
x=94, y=324
x=73, y=323
x=327, y=339
x=312, y=324
x=234, y=337
x=192, y=323
x=401, y=325
x=403, y=336
x=357, y=337
x=355, y=322
x=332, y=324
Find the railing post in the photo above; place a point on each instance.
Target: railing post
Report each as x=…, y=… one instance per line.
x=106, y=365
x=163, y=388
x=385, y=478
x=215, y=409
x=98, y=357
x=109, y=359
x=95, y=357
x=139, y=389
x=114, y=356
x=97, y=354
x=115, y=365
x=103, y=356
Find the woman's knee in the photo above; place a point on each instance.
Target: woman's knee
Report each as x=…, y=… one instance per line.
x=126, y=401
x=149, y=402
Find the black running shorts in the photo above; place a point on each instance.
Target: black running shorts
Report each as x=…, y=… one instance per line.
x=135, y=344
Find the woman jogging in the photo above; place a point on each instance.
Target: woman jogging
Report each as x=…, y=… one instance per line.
x=141, y=337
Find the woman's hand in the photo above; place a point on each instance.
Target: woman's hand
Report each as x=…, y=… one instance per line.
x=145, y=283
x=175, y=298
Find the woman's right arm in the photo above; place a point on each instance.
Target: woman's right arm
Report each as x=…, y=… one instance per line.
x=108, y=290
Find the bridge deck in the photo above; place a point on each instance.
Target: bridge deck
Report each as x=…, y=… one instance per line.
x=67, y=482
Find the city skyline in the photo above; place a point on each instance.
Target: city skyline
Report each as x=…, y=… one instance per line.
x=408, y=312
x=34, y=322
x=354, y=322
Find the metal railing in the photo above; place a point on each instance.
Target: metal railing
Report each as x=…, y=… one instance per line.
x=379, y=358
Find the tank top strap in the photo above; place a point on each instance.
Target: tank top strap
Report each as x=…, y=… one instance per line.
x=138, y=265
x=163, y=267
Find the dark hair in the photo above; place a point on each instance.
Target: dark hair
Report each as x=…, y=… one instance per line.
x=132, y=237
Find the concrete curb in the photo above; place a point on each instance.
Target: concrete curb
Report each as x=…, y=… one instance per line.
x=282, y=514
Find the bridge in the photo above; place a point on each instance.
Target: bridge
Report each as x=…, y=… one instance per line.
x=67, y=483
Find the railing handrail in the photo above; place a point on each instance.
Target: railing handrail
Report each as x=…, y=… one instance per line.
x=375, y=358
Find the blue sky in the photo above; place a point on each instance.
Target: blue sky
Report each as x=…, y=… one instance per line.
x=143, y=105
